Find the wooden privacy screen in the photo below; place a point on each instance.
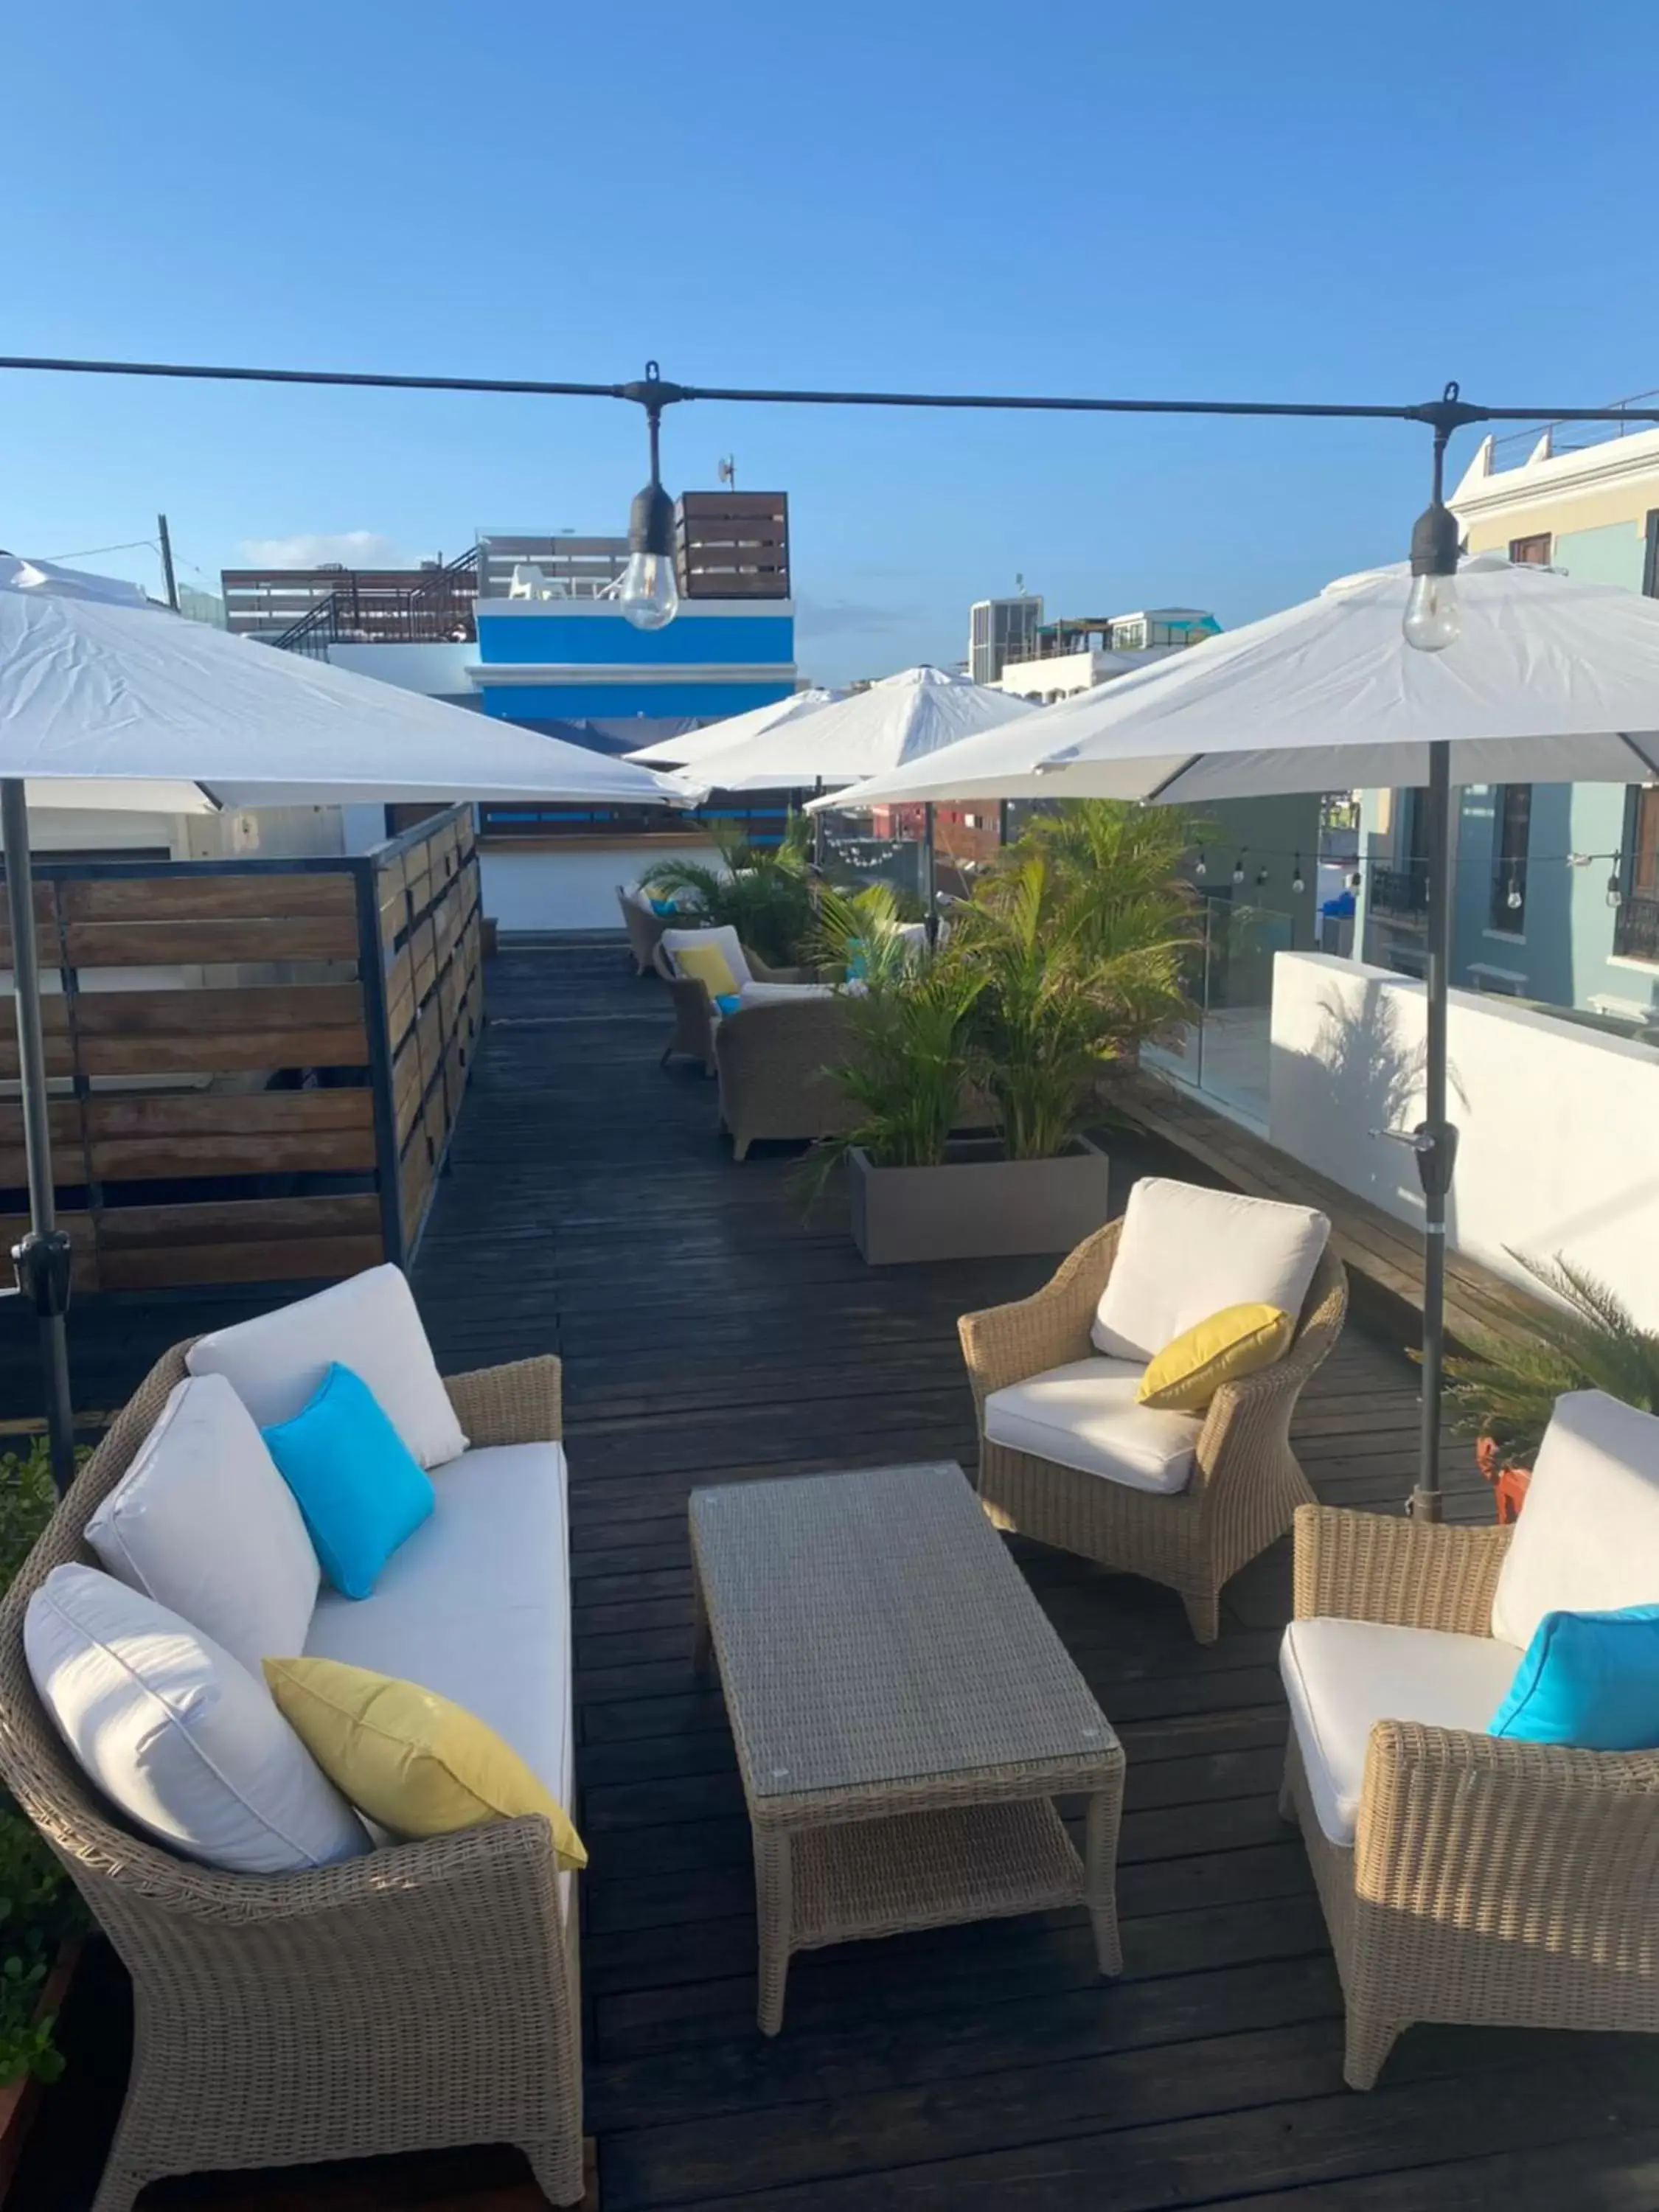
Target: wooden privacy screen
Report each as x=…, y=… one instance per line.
x=430, y=925
x=259, y=1063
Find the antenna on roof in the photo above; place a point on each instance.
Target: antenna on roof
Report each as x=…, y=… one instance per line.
x=729, y=471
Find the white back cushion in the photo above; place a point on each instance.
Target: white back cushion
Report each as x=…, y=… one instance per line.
x=1186, y=1252
x=178, y=1734
x=726, y=938
x=1588, y=1537
x=203, y=1522
x=368, y=1323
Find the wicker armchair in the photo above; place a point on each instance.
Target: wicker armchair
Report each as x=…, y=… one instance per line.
x=1492, y=1881
x=774, y=1062
x=693, y=1033
x=423, y=1995
x=1246, y=1483
x=644, y=928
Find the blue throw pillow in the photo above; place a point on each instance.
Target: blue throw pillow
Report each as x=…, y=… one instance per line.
x=728, y=1002
x=359, y=1488
x=1590, y=1679
x=663, y=907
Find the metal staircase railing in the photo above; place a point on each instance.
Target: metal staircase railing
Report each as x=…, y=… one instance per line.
x=437, y=610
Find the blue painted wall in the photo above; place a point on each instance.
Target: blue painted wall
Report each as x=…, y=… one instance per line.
x=569, y=702
x=611, y=641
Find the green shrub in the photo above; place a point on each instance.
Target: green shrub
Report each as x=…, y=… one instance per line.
x=38, y=1907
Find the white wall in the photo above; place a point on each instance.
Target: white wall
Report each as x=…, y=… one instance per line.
x=574, y=890
x=438, y=669
x=1556, y=1150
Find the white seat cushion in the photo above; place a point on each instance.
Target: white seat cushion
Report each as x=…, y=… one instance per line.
x=203, y=1522
x=178, y=1734
x=368, y=1323
x=771, y=994
x=1185, y=1253
x=1085, y=1416
x=1343, y=1676
x=1588, y=1540
x=725, y=939
x=476, y=1605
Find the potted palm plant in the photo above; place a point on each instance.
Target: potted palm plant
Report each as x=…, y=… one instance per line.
x=1502, y=1394
x=1050, y=976
x=764, y=892
x=41, y=1914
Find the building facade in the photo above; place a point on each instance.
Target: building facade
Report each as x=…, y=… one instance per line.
x=1556, y=894
x=1000, y=630
x=1059, y=658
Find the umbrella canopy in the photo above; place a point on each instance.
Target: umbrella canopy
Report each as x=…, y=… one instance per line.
x=1548, y=680
x=1551, y=681
x=904, y=719
x=91, y=688
x=105, y=699
x=693, y=745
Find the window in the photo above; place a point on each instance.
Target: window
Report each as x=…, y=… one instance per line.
x=1636, y=926
x=1511, y=827
x=1533, y=551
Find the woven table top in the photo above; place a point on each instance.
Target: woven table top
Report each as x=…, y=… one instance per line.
x=871, y=1628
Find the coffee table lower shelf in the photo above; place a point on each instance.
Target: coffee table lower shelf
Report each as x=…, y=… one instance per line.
x=850, y=1881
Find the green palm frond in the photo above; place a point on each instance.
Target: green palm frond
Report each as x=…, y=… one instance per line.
x=764, y=892
x=1507, y=1387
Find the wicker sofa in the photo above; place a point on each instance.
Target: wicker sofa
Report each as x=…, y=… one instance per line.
x=1245, y=1483
x=1468, y=1876
x=774, y=1061
x=421, y=1995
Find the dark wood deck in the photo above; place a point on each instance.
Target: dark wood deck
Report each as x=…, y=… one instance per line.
x=708, y=1333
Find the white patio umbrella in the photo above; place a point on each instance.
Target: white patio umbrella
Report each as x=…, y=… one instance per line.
x=1549, y=680
x=693, y=745
x=107, y=700
x=903, y=718
x=907, y=717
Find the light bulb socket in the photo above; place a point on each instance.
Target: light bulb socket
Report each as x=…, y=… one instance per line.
x=1436, y=543
x=651, y=521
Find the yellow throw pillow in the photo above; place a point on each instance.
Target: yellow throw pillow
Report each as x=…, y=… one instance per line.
x=411, y=1760
x=710, y=967
x=1238, y=1340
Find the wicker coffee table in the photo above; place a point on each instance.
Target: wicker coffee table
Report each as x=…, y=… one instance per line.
x=904, y=1714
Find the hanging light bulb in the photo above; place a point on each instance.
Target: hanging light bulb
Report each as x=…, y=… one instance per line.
x=1261, y=879
x=1432, y=621
x=1201, y=866
x=648, y=595
x=1238, y=868
x=1298, y=881
x=1512, y=896
x=1356, y=881
x=1616, y=882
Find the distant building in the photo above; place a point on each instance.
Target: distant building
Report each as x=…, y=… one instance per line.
x=999, y=631
x=1061, y=659
x=526, y=625
x=1557, y=885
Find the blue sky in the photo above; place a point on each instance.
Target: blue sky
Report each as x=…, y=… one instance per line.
x=1274, y=201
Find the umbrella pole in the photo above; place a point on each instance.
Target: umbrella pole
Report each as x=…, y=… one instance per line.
x=43, y=1259
x=1436, y=1139
x=929, y=873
